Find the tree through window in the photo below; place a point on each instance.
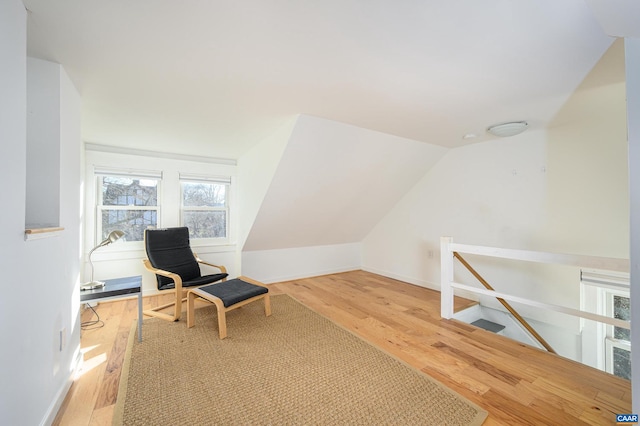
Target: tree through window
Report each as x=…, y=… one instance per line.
x=127, y=203
x=621, y=344
x=205, y=206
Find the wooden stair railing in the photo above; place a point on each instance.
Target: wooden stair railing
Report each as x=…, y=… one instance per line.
x=506, y=304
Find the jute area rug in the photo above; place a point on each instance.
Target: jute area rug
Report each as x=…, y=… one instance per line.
x=293, y=368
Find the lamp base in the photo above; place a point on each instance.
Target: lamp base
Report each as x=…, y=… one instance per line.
x=92, y=285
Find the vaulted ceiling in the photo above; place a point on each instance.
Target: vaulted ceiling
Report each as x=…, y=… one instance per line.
x=216, y=77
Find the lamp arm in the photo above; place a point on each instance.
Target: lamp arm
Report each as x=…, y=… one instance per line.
x=102, y=244
x=90, y=262
x=94, y=249
x=113, y=236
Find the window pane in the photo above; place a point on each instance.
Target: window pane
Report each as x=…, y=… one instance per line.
x=201, y=194
x=621, y=310
x=131, y=222
x=205, y=224
x=622, y=363
x=124, y=191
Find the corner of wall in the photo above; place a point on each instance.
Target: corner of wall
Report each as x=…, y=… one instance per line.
x=256, y=169
x=279, y=265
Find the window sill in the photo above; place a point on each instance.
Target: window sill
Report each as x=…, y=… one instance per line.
x=135, y=250
x=38, y=233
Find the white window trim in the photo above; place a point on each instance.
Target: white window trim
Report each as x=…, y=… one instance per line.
x=223, y=180
x=610, y=342
x=100, y=172
x=597, y=291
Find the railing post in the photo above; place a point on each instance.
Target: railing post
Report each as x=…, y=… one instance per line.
x=446, y=277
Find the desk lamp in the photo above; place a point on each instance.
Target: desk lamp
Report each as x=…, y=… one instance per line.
x=111, y=238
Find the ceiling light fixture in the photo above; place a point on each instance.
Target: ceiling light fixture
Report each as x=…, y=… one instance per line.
x=511, y=128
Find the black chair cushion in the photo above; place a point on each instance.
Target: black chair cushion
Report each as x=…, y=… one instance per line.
x=234, y=291
x=205, y=279
x=169, y=249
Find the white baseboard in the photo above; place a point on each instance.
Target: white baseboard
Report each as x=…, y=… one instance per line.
x=270, y=266
x=58, y=400
x=282, y=278
x=403, y=278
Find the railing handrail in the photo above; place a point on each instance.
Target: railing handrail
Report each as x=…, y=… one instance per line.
x=506, y=304
x=595, y=262
x=447, y=283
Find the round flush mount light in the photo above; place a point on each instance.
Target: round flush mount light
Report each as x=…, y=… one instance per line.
x=511, y=128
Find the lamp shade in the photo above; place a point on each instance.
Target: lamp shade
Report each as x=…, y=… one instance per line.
x=511, y=128
x=112, y=237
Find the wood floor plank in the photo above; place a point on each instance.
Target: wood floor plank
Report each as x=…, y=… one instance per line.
x=102, y=416
x=458, y=380
x=517, y=384
x=108, y=392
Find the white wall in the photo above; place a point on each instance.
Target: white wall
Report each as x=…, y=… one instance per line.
x=564, y=189
x=125, y=258
x=43, y=143
x=40, y=277
x=13, y=258
x=587, y=194
x=489, y=194
x=271, y=266
x=332, y=184
x=632, y=56
x=255, y=171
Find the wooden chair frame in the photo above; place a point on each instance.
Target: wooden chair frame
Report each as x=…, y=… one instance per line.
x=181, y=293
x=222, y=311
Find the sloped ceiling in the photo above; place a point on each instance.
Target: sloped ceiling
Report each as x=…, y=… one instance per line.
x=214, y=77
x=618, y=18
x=381, y=88
x=334, y=182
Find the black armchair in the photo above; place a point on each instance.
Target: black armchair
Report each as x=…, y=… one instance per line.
x=176, y=266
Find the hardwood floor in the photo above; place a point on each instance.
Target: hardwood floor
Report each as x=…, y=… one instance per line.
x=515, y=383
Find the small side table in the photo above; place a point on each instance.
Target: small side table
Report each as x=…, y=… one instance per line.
x=117, y=288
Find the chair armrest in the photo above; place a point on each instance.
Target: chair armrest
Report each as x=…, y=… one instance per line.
x=220, y=267
x=175, y=277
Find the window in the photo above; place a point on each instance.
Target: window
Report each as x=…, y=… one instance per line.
x=205, y=206
x=128, y=202
x=618, y=340
x=606, y=347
